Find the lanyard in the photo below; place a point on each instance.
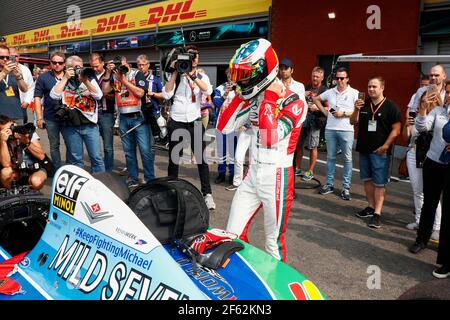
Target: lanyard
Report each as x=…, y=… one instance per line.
x=6, y=80
x=378, y=108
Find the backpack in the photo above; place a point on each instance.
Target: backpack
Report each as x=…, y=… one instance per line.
x=423, y=143
x=170, y=208
x=175, y=212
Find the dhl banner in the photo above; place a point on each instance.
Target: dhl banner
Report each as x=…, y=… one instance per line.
x=161, y=14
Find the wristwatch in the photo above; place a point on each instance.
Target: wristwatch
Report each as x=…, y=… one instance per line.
x=193, y=77
x=344, y=114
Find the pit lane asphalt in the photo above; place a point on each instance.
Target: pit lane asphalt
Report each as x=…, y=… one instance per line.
x=325, y=240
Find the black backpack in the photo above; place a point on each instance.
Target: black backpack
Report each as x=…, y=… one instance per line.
x=171, y=208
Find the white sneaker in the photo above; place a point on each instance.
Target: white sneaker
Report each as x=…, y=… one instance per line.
x=435, y=236
x=412, y=226
x=210, y=202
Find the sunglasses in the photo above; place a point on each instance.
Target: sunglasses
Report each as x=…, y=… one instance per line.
x=4, y=57
x=58, y=62
x=341, y=78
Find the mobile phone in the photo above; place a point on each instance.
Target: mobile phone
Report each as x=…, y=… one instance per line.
x=331, y=110
x=412, y=114
x=12, y=59
x=431, y=88
x=361, y=96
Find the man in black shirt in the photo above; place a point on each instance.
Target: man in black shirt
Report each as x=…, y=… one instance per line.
x=315, y=120
x=379, y=124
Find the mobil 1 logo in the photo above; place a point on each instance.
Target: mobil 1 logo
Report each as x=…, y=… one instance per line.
x=67, y=188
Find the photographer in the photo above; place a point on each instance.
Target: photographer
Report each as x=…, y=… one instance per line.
x=129, y=87
x=79, y=92
x=21, y=155
x=186, y=90
x=11, y=81
x=105, y=112
x=153, y=96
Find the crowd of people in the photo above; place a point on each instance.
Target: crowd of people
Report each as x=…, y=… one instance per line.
x=84, y=105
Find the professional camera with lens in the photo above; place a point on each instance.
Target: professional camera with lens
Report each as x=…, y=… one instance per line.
x=74, y=82
x=182, y=58
x=26, y=129
x=62, y=114
x=119, y=67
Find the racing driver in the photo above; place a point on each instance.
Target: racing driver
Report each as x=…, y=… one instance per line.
x=276, y=115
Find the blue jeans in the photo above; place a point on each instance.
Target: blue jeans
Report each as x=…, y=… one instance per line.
x=53, y=130
x=343, y=139
x=226, y=148
x=374, y=167
x=140, y=136
x=105, y=125
x=74, y=136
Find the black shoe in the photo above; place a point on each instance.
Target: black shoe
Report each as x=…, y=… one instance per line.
x=375, y=221
x=220, y=178
x=417, y=246
x=365, y=213
x=442, y=272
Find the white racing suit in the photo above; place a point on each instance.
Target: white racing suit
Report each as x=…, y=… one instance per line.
x=270, y=179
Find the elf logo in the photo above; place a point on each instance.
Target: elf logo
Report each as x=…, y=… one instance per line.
x=67, y=188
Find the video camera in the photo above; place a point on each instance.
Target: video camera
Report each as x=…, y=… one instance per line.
x=182, y=58
x=118, y=65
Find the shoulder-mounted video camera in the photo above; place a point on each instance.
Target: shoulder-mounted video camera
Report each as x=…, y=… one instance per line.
x=182, y=58
x=119, y=67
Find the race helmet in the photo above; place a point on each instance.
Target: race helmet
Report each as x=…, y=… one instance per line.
x=254, y=67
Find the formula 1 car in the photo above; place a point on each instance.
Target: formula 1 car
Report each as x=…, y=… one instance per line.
x=85, y=243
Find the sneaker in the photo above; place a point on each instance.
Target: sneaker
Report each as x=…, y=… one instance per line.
x=375, y=221
x=132, y=184
x=416, y=247
x=220, y=178
x=123, y=172
x=308, y=176
x=326, y=189
x=298, y=172
x=345, y=194
x=210, y=202
x=231, y=187
x=412, y=226
x=442, y=272
x=435, y=236
x=365, y=213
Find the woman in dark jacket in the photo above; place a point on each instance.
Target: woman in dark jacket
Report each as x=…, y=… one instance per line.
x=443, y=257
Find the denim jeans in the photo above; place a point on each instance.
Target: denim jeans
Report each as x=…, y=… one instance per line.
x=140, y=136
x=343, y=139
x=226, y=148
x=105, y=125
x=74, y=136
x=53, y=130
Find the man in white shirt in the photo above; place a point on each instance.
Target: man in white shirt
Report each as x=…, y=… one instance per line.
x=338, y=131
x=186, y=90
x=28, y=96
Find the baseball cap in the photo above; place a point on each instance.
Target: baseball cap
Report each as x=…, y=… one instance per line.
x=287, y=62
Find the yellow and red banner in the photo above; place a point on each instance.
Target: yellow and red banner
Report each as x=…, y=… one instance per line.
x=148, y=17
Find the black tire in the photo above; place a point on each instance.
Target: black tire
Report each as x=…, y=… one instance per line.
x=438, y=289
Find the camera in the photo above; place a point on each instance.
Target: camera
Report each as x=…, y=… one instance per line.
x=119, y=67
x=84, y=72
x=182, y=58
x=26, y=129
x=62, y=114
